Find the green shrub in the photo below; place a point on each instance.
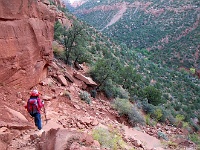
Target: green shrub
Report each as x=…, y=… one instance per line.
x=122, y=93
x=135, y=117
x=171, y=120
x=148, y=108
x=195, y=138
x=157, y=114
x=148, y=120
x=107, y=139
x=85, y=96
x=93, y=93
x=123, y=106
x=153, y=95
x=162, y=135
x=111, y=90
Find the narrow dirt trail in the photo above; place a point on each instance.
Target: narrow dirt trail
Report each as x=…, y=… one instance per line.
x=117, y=16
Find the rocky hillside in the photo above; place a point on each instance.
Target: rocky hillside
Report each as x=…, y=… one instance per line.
x=168, y=29
x=72, y=118
x=72, y=123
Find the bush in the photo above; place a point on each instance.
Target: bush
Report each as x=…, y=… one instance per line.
x=93, y=93
x=153, y=95
x=195, y=138
x=123, y=106
x=111, y=90
x=162, y=135
x=172, y=120
x=135, y=117
x=85, y=96
x=111, y=140
x=122, y=93
x=148, y=108
x=157, y=114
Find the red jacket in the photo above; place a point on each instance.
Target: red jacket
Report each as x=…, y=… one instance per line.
x=40, y=104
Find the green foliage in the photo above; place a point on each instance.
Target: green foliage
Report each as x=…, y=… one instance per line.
x=148, y=108
x=195, y=138
x=59, y=31
x=163, y=33
x=153, y=95
x=179, y=90
x=180, y=117
x=74, y=42
x=113, y=91
x=85, y=96
x=125, y=108
x=124, y=69
x=108, y=139
x=128, y=77
x=93, y=93
x=135, y=117
x=192, y=70
x=162, y=135
x=109, y=72
x=148, y=120
x=158, y=114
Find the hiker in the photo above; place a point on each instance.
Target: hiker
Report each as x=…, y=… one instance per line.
x=34, y=105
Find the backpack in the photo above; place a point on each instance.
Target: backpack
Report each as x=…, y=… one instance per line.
x=32, y=106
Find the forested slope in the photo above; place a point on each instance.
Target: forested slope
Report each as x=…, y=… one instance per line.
x=168, y=29
x=128, y=73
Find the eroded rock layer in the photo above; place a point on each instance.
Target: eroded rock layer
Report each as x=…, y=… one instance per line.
x=25, y=42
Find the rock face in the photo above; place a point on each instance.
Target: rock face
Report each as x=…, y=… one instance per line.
x=62, y=139
x=25, y=42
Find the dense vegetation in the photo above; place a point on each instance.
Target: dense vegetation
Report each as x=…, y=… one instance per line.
x=125, y=73
x=169, y=28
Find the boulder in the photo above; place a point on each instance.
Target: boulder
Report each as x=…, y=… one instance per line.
x=69, y=76
x=64, y=139
x=85, y=79
x=13, y=119
x=62, y=80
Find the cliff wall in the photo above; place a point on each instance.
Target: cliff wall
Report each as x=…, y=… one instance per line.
x=25, y=42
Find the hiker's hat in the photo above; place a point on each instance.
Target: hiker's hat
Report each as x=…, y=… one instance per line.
x=34, y=93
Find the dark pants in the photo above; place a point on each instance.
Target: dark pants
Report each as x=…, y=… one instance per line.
x=37, y=120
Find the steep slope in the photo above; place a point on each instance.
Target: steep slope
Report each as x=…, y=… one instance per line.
x=169, y=30
x=70, y=122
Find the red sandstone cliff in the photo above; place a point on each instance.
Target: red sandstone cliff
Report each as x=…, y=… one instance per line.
x=25, y=41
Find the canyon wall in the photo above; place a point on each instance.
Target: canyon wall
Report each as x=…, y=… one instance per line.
x=26, y=34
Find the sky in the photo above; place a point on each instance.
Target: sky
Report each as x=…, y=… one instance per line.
x=71, y=1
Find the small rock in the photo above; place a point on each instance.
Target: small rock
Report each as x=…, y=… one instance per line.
x=94, y=122
x=3, y=129
x=19, y=95
x=46, y=98
x=77, y=107
x=80, y=126
x=33, y=137
x=96, y=144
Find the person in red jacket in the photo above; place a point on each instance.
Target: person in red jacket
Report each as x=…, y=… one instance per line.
x=34, y=105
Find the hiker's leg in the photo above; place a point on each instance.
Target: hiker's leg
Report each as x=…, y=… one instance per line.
x=35, y=119
x=38, y=121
